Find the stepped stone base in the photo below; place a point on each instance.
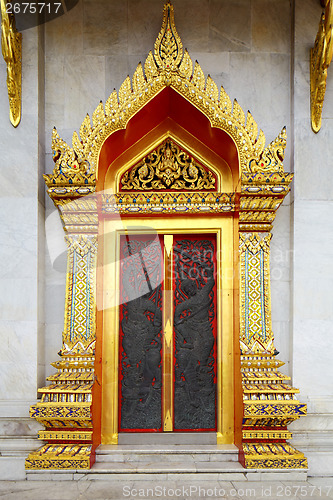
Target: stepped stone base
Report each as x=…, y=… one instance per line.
x=167, y=453
x=160, y=462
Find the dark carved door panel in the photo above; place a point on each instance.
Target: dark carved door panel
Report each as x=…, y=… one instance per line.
x=140, y=333
x=193, y=370
x=195, y=332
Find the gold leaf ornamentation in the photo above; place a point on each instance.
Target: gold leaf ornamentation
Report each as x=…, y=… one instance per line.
x=211, y=89
x=198, y=76
x=259, y=144
x=150, y=67
x=138, y=80
x=163, y=202
x=273, y=456
x=125, y=91
x=85, y=129
x=238, y=113
x=256, y=325
x=251, y=127
x=169, y=68
x=70, y=167
x=58, y=144
x=60, y=456
x=82, y=251
x=77, y=145
x=168, y=49
x=225, y=102
x=186, y=67
x=11, y=44
x=63, y=156
x=272, y=157
x=98, y=115
x=112, y=105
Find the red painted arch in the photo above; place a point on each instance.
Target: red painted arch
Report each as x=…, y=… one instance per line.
x=168, y=105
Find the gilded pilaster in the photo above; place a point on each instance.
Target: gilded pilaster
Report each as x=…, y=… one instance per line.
x=256, y=325
x=65, y=408
x=80, y=303
x=270, y=403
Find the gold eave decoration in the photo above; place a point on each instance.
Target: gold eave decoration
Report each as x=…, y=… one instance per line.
x=170, y=65
x=320, y=59
x=11, y=46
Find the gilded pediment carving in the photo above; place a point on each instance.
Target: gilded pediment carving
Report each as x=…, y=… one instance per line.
x=167, y=167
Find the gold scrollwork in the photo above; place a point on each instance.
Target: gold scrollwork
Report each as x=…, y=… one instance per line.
x=167, y=167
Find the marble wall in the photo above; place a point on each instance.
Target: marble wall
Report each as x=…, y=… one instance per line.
x=312, y=247
x=22, y=206
x=21, y=259
x=312, y=210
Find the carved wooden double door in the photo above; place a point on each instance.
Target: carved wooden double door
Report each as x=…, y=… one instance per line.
x=167, y=345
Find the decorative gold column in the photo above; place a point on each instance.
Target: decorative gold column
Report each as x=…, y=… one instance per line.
x=65, y=408
x=269, y=401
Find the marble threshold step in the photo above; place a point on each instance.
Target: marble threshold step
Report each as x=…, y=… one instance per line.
x=183, y=466
x=195, y=438
x=167, y=453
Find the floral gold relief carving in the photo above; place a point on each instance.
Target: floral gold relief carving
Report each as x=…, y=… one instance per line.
x=167, y=167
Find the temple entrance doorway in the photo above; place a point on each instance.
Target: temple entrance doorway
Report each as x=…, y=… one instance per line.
x=156, y=340
x=167, y=344
x=168, y=325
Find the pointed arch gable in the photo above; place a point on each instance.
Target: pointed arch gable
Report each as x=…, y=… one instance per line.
x=169, y=112
x=168, y=78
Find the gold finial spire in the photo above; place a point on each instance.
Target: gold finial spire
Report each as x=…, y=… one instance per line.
x=11, y=45
x=168, y=46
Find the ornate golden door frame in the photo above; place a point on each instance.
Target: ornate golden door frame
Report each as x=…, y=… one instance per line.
x=223, y=228
x=176, y=219
x=168, y=87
